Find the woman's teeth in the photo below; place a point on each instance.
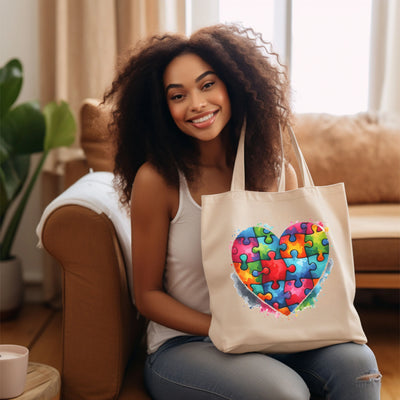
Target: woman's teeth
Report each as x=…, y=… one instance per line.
x=203, y=119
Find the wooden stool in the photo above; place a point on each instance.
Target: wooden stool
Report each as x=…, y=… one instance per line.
x=42, y=382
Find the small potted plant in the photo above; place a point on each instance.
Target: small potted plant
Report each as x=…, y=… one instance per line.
x=24, y=129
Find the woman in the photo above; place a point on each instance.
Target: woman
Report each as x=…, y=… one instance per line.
x=180, y=104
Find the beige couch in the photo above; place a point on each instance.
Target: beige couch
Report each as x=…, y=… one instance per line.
x=102, y=349
x=365, y=155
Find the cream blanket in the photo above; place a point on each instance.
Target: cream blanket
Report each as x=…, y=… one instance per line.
x=96, y=192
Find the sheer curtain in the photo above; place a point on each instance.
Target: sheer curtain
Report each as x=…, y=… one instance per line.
x=80, y=41
x=384, y=94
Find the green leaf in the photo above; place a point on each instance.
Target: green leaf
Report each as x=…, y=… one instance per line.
x=13, y=174
x=11, y=77
x=23, y=129
x=12, y=228
x=60, y=125
x=5, y=149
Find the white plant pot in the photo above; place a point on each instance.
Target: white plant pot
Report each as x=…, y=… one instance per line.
x=11, y=288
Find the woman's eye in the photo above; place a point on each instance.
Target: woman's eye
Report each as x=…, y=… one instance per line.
x=208, y=85
x=177, y=97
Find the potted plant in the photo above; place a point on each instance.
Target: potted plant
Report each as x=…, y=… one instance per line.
x=24, y=129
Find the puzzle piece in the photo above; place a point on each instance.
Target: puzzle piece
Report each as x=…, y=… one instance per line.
x=311, y=298
x=243, y=262
x=285, y=310
x=273, y=270
x=278, y=295
x=248, y=271
x=297, y=242
x=296, y=295
x=266, y=244
x=243, y=270
x=299, y=227
x=302, y=268
x=292, y=307
x=257, y=289
x=319, y=243
x=245, y=245
x=321, y=264
x=261, y=231
x=247, y=233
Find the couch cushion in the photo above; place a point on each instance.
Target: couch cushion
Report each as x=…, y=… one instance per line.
x=354, y=149
x=96, y=140
x=375, y=231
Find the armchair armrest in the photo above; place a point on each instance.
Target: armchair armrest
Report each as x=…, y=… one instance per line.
x=100, y=325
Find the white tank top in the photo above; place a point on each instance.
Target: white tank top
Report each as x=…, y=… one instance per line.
x=183, y=276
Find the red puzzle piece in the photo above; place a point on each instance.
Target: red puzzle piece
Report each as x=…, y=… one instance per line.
x=274, y=270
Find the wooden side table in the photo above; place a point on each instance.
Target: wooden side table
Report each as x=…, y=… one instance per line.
x=42, y=383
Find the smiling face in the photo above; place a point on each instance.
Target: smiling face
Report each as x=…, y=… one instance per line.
x=197, y=99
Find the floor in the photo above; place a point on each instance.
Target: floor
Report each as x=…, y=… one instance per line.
x=39, y=328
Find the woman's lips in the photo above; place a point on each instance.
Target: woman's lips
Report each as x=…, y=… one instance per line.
x=204, y=121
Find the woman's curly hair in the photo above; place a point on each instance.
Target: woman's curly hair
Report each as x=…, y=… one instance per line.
x=145, y=131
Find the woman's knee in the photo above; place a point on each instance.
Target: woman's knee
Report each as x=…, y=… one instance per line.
x=163, y=388
x=289, y=392
x=357, y=376
x=367, y=364
x=361, y=358
x=354, y=367
x=206, y=373
x=258, y=376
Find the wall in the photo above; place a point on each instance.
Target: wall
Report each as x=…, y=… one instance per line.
x=19, y=38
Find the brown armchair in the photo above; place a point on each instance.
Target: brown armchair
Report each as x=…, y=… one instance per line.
x=103, y=347
x=102, y=343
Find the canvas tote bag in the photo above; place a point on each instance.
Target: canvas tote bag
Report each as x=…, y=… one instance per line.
x=279, y=265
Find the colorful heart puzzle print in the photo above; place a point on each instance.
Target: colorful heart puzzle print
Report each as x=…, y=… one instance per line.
x=283, y=272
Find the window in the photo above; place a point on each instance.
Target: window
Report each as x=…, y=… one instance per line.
x=326, y=47
x=330, y=55
x=257, y=14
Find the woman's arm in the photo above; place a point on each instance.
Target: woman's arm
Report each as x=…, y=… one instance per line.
x=151, y=211
x=291, y=177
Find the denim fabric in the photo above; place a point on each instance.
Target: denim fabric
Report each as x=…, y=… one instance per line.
x=191, y=368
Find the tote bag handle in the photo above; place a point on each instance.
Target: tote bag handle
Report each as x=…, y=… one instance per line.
x=238, y=177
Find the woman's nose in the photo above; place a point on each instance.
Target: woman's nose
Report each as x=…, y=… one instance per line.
x=198, y=102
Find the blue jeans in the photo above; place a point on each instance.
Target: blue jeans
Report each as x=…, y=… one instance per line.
x=192, y=368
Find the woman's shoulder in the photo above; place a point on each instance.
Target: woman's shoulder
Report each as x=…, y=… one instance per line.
x=151, y=189
x=149, y=175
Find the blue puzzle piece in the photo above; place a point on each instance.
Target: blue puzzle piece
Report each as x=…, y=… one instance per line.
x=302, y=268
x=278, y=295
x=246, y=234
x=317, y=272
